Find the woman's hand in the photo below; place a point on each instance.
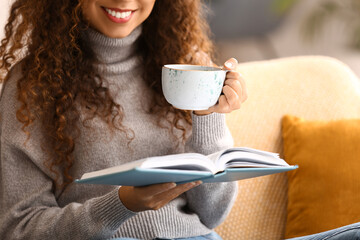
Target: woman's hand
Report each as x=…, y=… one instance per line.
x=152, y=197
x=234, y=91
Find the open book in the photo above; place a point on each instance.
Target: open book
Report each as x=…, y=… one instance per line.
x=228, y=165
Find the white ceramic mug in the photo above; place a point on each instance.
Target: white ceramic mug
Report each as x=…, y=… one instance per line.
x=192, y=87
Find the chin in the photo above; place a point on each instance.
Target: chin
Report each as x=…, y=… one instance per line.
x=116, y=34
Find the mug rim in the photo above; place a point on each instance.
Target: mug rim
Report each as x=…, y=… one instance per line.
x=172, y=66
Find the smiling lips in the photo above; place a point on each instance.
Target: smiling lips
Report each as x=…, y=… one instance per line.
x=117, y=15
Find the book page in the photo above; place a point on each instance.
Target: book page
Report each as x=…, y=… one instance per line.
x=115, y=169
x=183, y=161
x=216, y=162
x=242, y=157
x=214, y=158
x=245, y=164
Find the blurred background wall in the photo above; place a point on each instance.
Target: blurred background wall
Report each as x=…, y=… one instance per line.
x=4, y=9
x=253, y=30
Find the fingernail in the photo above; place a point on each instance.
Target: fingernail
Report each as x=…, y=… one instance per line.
x=193, y=184
x=172, y=185
x=197, y=183
x=229, y=64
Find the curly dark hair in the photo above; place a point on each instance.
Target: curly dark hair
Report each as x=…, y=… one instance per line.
x=57, y=67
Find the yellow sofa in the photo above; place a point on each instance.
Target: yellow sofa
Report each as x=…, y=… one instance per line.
x=312, y=87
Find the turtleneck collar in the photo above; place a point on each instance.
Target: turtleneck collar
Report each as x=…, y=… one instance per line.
x=115, y=55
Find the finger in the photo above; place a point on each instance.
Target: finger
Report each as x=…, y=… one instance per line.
x=244, y=94
x=237, y=76
x=235, y=84
x=155, y=189
x=174, y=193
x=222, y=106
x=179, y=189
x=233, y=75
x=230, y=64
x=166, y=197
x=232, y=98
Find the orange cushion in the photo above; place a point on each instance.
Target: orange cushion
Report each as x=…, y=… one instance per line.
x=324, y=192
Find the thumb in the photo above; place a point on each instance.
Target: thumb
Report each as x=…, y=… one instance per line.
x=230, y=64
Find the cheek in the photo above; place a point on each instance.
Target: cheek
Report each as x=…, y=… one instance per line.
x=88, y=10
x=147, y=8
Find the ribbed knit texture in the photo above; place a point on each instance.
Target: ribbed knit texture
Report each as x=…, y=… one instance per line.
x=31, y=207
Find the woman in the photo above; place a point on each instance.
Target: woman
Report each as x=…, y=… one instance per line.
x=82, y=92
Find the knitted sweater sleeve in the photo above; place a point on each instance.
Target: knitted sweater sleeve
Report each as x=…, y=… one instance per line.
x=211, y=201
x=28, y=205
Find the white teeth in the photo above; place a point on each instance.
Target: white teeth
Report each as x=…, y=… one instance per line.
x=118, y=14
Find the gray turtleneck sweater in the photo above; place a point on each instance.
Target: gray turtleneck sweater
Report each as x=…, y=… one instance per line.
x=31, y=207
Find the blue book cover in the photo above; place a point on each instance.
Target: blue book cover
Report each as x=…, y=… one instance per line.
x=229, y=165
